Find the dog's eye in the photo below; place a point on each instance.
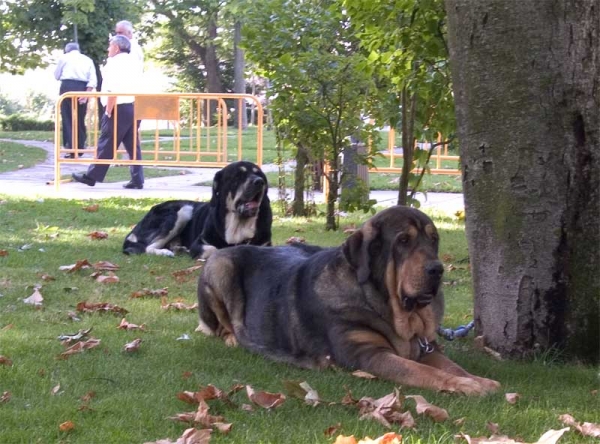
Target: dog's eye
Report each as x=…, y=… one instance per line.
x=404, y=238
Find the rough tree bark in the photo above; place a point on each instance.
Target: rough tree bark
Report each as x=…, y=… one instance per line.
x=239, y=86
x=527, y=84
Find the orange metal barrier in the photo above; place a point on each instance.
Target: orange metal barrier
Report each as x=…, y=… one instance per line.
x=190, y=130
x=439, y=155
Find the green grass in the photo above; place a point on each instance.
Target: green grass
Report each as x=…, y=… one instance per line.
x=15, y=156
x=135, y=393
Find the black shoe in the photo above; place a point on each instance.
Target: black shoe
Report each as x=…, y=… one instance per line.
x=133, y=186
x=83, y=178
x=69, y=156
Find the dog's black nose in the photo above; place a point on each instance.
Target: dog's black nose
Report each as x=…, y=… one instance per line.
x=434, y=269
x=258, y=182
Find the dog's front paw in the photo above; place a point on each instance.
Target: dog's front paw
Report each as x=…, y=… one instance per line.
x=463, y=385
x=489, y=385
x=207, y=250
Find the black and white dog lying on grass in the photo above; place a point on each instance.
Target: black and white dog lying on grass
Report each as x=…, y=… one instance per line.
x=239, y=212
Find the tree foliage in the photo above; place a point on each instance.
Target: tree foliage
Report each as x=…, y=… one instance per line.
x=405, y=42
x=319, y=93
x=33, y=29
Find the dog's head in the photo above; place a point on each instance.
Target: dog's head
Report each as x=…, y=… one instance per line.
x=241, y=187
x=398, y=250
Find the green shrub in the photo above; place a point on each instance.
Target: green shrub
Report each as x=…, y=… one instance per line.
x=19, y=122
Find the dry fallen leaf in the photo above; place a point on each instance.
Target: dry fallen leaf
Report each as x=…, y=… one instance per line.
x=186, y=271
x=98, y=235
x=90, y=307
x=35, y=299
x=66, y=426
x=265, y=399
x=550, y=437
x=5, y=361
x=302, y=391
x=80, y=347
x=105, y=266
x=438, y=414
x=124, y=325
x=47, y=278
x=5, y=397
x=178, y=305
x=512, y=398
x=586, y=428
x=109, y=278
x=147, y=292
x=295, y=240
x=189, y=436
x=91, y=208
x=341, y=439
x=386, y=410
x=79, y=265
x=365, y=375
x=55, y=389
x=132, y=346
x=332, y=430
x=3, y=253
x=74, y=337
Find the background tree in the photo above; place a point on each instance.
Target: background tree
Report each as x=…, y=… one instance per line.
x=405, y=42
x=526, y=81
x=319, y=93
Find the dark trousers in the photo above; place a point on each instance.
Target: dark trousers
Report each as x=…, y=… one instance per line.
x=126, y=128
x=66, y=114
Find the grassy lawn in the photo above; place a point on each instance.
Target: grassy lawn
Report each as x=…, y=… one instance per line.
x=116, y=397
x=14, y=156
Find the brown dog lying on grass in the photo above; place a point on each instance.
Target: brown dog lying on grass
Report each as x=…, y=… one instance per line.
x=373, y=304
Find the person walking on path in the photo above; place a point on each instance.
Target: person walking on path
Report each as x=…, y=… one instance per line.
x=119, y=76
x=126, y=28
x=76, y=72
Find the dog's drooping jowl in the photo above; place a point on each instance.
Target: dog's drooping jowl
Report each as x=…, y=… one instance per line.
x=239, y=212
x=373, y=304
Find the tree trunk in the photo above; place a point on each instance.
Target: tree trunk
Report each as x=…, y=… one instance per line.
x=298, y=208
x=332, y=195
x=408, y=143
x=239, y=82
x=213, y=80
x=527, y=87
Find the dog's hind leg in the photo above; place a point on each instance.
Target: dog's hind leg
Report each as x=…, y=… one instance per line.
x=159, y=243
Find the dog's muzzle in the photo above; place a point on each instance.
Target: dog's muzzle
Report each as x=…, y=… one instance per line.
x=249, y=204
x=433, y=274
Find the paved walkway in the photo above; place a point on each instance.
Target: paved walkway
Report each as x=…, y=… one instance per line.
x=35, y=182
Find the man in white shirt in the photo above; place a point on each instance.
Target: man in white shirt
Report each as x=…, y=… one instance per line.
x=126, y=28
x=76, y=72
x=120, y=76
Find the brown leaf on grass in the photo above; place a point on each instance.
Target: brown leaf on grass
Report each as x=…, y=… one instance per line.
x=332, y=430
x=91, y=208
x=124, y=325
x=36, y=299
x=348, y=399
x=189, y=436
x=133, y=345
x=341, y=439
x=493, y=427
x=79, y=265
x=512, y=398
x=186, y=271
x=47, y=278
x=186, y=375
x=80, y=347
x=295, y=240
x=105, y=266
x=460, y=421
x=438, y=414
x=201, y=417
x=152, y=293
x=207, y=393
x=302, y=390
x=55, y=390
x=3, y=253
x=69, y=339
x=5, y=361
x=109, y=278
x=66, y=426
x=550, y=437
x=5, y=397
x=265, y=399
x=178, y=305
x=7, y=327
x=88, y=396
x=585, y=428
x=364, y=375
x=386, y=410
x=91, y=307
x=479, y=344
x=98, y=235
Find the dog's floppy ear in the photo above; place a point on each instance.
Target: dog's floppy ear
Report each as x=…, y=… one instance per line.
x=356, y=251
x=216, y=186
